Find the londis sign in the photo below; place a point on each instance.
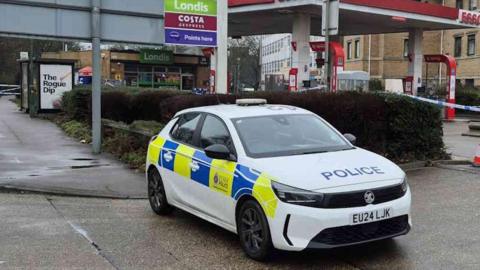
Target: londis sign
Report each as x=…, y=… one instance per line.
x=191, y=22
x=469, y=17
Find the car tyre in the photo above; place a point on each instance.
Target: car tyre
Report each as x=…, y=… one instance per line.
x=156, y=194
x=253, y=231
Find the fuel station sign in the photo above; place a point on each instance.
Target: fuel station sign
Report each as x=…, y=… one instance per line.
x=191, y=22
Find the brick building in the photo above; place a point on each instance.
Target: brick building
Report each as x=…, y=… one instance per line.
x=385, y=56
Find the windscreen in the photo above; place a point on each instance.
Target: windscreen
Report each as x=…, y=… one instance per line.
x=285, y=135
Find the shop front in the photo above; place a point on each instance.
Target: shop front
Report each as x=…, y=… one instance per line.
x=148, y=68
x=161, y=69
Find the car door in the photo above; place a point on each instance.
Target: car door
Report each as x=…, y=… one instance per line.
x=177, y=155
x=220, y=172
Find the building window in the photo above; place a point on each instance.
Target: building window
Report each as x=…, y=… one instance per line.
x=472, y=4
x=469, y=82
x=405, y=48
x=349, y=50
x=471, y=45
x=458, y=47
x=459, y=4
x=357, y=48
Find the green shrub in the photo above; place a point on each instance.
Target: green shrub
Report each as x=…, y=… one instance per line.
x=77, y=130
x=468, y=96
x=395, y=126
x=375, y=85
x=76, y=104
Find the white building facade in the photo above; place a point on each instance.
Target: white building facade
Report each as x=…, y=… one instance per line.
x=276, y=56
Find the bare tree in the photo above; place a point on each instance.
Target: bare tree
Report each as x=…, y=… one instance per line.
x=244, y=61
x=10, y=49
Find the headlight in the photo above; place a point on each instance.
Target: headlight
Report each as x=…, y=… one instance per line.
x=405, y=184
x=297, y=196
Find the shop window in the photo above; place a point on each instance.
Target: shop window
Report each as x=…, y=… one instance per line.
x=145, y=69
x=160, y=69
x=187, y=70
x=469, y=82
x=471, y=45
x=458, y=47
x=145, y=79
x=174, y=70
x=405, y=48
x=130, y=67
x=357, y=49
x=349, y=50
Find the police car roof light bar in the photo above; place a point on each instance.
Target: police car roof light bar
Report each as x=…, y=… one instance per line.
x=251, y=102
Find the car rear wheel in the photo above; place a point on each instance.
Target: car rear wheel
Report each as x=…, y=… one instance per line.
x=156, y=194
x=253, y=231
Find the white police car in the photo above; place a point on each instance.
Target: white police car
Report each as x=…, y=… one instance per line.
x=278, y=176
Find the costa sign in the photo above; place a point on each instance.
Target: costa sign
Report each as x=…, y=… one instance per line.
x=187, y=21
x=469, y=17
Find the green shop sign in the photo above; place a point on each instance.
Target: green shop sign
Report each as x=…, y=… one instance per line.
x=199, y=7
x=159, y=57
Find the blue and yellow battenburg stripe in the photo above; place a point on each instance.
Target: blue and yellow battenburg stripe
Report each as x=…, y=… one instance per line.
x=229, y=178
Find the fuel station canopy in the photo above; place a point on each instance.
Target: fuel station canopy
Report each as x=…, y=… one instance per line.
x=357, y=17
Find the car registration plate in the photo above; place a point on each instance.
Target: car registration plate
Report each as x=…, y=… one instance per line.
x=371, y=216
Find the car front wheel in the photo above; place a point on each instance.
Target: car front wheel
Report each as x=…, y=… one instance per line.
x=253, y=231
x=156, y=194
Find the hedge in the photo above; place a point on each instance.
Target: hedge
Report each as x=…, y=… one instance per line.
x=469, y=96
x=397, y=127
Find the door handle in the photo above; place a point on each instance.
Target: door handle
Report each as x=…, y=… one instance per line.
x=194, y=166
x=168, y=156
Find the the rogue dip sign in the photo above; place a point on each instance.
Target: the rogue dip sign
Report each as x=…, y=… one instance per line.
x=55, y=79
x=191, y=22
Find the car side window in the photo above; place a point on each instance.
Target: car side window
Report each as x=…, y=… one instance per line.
x=184, y=129
x=214, y=131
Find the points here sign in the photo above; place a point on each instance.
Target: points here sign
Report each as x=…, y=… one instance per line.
x=191, y=22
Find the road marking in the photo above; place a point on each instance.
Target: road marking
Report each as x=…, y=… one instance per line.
x=2, y=262
x=17, y=161
x=2, y=136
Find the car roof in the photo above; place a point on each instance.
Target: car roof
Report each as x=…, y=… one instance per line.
x=236, y=111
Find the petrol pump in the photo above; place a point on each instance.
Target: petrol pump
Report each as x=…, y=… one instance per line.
x=337, y=59
x=451, y=64
x=293, y=80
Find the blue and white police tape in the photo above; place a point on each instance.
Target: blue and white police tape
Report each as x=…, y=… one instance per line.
x=446, y=104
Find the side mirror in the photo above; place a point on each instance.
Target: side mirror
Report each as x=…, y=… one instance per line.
x=351, y=138
x=220, y=151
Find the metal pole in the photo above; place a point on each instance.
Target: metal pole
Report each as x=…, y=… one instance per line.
x=96, y=79
x=370, y=55
x=30, y=95
x=327, y=45
x=221, y=53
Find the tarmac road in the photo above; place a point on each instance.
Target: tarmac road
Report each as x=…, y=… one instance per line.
x=40, y=231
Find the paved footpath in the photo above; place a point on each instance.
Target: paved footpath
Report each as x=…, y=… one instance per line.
x=461, y=147
x=36, y=155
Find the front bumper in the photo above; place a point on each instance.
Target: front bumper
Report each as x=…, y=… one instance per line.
x=296, y=227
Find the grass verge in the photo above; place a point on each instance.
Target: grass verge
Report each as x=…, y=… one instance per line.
x=128, y=147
